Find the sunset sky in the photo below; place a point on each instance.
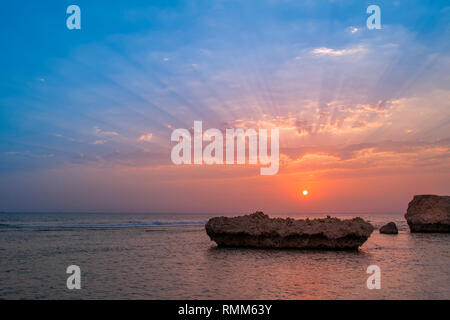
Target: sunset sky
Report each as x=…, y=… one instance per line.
x=86, y=115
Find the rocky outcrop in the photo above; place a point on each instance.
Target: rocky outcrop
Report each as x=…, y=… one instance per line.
x=260, y=231
x=390, y=228
x=429, y=213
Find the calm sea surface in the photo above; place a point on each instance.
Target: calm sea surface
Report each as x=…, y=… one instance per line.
x=151, y=256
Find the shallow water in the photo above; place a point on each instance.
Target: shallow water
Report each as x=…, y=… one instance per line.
x=149, y=256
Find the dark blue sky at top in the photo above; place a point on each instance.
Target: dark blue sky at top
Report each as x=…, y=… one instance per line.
x=33, y=33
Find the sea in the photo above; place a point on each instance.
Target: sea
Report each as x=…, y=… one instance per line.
x=170, y=256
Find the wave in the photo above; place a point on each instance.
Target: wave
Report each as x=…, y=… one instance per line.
x=102, y=225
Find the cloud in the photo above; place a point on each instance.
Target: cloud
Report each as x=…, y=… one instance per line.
x=98, y=131
x=99, y=142
x=323, y=51
x=384, y=157
x=146, y=137
x=335, y=118
x=409, y=148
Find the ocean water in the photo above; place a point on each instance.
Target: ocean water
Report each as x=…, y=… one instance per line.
x=162, y=256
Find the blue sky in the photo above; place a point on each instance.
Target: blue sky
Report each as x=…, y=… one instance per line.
x=109, y=95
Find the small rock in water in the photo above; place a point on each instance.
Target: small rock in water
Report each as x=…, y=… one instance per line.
x=389, y=228
x=429, y=213
x=259, y=231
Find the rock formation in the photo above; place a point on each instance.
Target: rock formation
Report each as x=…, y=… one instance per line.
x=429, y=213
x=389, y=228
x=258, y=230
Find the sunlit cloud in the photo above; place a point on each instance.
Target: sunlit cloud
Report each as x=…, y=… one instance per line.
x=403, y=155
x=324, y=51
x=146, y=137
x=98, y=131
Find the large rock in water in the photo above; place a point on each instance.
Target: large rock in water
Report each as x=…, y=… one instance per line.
x=429, y=213
x=260, y=231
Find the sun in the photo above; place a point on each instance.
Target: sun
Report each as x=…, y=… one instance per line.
x=305, y=192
